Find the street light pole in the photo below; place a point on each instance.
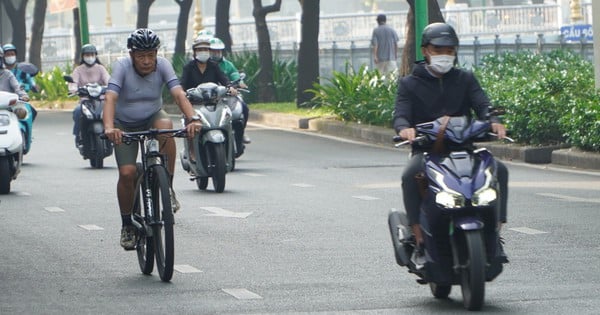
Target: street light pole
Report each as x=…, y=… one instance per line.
x=421, y=20
x=108, y=21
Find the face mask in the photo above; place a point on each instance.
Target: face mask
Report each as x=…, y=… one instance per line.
x=10, y=60
x=89, y=60
x=202, y=56
x=441, y=63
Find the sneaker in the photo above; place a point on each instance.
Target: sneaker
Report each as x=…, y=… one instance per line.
x=128, y=238
x=418, y=258
x=246, y=139
x=174, y=202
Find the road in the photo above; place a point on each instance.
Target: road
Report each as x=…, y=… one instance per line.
x=300, y=228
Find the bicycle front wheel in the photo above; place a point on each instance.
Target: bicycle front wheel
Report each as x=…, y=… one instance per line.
x=162, y=229
x=145, y=243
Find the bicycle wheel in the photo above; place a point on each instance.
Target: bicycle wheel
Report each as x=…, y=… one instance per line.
x=162, y=228
x=144, y=245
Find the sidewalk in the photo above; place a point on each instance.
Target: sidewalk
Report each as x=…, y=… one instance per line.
x=555, y=155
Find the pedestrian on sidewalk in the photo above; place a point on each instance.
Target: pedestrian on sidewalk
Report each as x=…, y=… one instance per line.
x=385, y=46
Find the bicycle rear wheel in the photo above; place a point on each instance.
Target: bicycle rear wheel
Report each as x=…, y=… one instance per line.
x=145, y=243
x=162, y=229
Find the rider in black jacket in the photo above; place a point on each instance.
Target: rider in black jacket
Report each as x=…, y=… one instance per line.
x=434, y=89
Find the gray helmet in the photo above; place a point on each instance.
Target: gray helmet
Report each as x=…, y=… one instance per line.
x=439, y=34
x=143, y=39
x=89, y=49
x=1, y=58
x=9, y=47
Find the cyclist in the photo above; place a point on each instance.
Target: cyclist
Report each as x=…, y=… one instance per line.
x=134, y=103
x=90, y=70
x=216, y=53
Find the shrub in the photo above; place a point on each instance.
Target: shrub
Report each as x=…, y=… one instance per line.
x=363, y=96
x=51, y=85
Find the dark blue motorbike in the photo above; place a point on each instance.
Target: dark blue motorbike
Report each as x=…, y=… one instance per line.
x=459, y=212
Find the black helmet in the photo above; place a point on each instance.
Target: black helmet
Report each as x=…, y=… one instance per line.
x=143, y=39
x=88, y=49
x=439, y=34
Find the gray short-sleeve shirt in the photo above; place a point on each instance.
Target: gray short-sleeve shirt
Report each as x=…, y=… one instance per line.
x=139, y=97
x=385, y=38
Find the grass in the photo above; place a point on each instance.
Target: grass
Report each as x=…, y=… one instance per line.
x=290, y=108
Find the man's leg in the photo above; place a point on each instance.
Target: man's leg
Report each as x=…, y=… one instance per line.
x=411, y=194
x=168, y=148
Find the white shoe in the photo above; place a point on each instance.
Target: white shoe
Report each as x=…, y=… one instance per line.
x=418, y=259
x=174, y=202
x=246, y=139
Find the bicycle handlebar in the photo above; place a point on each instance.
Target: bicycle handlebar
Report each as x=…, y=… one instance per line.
x=150, y=133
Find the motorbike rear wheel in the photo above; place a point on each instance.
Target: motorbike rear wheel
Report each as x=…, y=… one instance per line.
x=5, y=176
x=473, y=274
x=202, y=182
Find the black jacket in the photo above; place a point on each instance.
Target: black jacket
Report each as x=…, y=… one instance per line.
x=422, y=97
x=191, y=75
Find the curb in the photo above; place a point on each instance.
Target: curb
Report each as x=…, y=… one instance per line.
x=558, y=155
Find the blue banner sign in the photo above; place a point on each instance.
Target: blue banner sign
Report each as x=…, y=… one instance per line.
x=574, y=32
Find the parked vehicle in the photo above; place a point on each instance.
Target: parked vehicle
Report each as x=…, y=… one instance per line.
x=93, y=147
x=210, y=153
x=459, y=213
x=12, y=138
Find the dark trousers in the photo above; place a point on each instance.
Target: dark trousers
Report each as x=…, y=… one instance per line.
x=412, y=196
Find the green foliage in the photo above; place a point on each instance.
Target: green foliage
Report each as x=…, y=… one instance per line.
x=51, y=84
x=549, y=98
x=363, y=96
x=285, y=73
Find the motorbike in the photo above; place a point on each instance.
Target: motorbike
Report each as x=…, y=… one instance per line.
x=459, y=212
x=12, y=138
x=211, y=152
x=93, y=147
x=237, y=117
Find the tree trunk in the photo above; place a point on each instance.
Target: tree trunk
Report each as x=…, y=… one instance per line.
x=182, y=26
x=77, y=32
x=266, y=89
x=143, y=12
x=409, y=52
x=222, y=23
x=37, y=32
x=17, y=20
x=308, y=55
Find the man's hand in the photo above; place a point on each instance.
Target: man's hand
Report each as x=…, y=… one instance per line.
x=233, y=91
x=499, y=129
x=408, y=134
x=114, y=134
x=193, y=128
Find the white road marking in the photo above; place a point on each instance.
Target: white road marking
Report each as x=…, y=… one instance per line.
x=242, y=294
x=365, y=197
x=220, y=212
x=186, y=269
x=527, y=230
x=381, y=185
x=23, y=193
x=579, y=185
x=254, y=174
x=91, y=227
x=54, y=209
x=301, y=185
x=570, y=198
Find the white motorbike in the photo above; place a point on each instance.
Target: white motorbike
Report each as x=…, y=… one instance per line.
x=12, y=140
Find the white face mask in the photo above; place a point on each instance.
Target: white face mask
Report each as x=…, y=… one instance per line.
x=441, y=63
x=10, y=60
x=202, y=56
x=89, y=60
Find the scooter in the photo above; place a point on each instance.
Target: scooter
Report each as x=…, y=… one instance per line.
x=459, y=212
x=12, y=138
x=92, y=147
x=210, y=153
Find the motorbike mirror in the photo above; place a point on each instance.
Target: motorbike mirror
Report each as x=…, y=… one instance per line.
x=242, y=76
x=221, y=90
x=68, y=78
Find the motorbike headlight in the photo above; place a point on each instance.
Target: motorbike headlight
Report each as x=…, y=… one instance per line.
x=449, y=200
x=87, y=112
x=4, y=120
x=225, y=115
x=94, y=90
x=203, y=120
x=484, y=197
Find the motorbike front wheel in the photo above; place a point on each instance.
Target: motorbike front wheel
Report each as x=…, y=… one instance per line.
x=97, y=161
x=219, y=162
x=5, y=176
x=473, y=274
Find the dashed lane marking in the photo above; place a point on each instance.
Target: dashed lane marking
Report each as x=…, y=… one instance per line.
x=254, y=174
x=570, y=198
x=186, y=269
x=301, y=185
x=242, y=294
x=91, y=227
x=23, y=193
x=527, y=230
x=365, y=197
x=54, y=209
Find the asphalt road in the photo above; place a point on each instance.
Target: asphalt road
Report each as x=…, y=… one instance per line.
x=300, y=228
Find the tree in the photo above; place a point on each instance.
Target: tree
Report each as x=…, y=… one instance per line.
x=16, y=14
x=143, y=12
x=77, y=32
x=182, y=23
x=266, y=89
x=409, y=52
x=222, y=23
x=37, y=32
x=308, y=55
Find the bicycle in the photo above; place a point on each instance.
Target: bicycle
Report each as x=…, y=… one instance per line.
x=153, y=194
